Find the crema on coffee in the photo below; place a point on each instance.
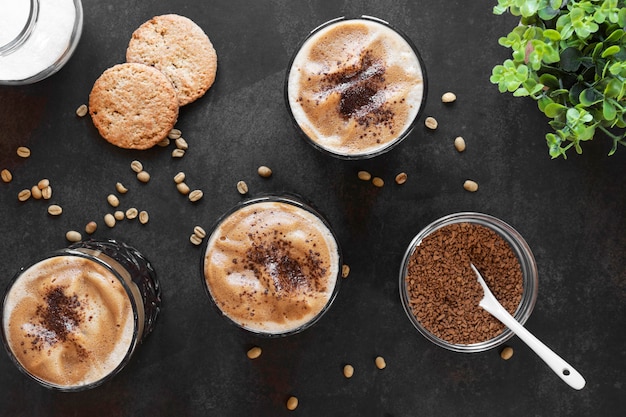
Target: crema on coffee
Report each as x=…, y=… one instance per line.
x=68, y=321
x=271, y=266
x=355, y=87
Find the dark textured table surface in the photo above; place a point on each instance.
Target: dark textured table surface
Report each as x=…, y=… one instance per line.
x=571, y=212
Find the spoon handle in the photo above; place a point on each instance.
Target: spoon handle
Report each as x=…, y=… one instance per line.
x=560, y=367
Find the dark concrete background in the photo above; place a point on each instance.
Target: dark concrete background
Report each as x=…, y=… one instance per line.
x=571, y=212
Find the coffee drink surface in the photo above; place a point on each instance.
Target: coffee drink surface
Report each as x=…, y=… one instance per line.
x=355, y=87
x=271, y=267
x=68, y=321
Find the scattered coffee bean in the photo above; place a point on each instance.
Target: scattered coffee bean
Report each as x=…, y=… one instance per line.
x=24, y=195
x=109, y=220
x=401, y=178
x=174, y=134
x=348, y=371
x=178, y=153
x=119, y=215
x=364, y=175
x=82, y=110
x=23, y=152
x=44, y=183
x=345, y=271
x=132, y=213
x=6, y=175
x=73, y=236
x=292, y=403
x=164, y=143
x=113, y=200
x=119, y=187
x=195, y=195
x=431, y=123
x=448, y=97
x=471, y=186
x=459, y=144
x=242, y=187
x=91, y=227
x=143, y=217
x=264, y=171
x=136, y=166
x=195, y=240
x=380, y=362
x=183, y=188
x=181, y=143
x=378, y=182
x=254, y=352
x=199, y=231
x=143, y=176
x=506, y=353
x=180, y=177
x=36, y=192
x=55, y=210
x=46, y=193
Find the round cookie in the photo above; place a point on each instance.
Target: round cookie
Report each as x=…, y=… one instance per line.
x=133, y=106
x=180, y=49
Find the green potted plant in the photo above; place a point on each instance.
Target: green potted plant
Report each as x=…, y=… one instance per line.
x=569, y=56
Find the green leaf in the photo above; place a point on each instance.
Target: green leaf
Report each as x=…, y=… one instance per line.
x=570, y=59
x=614, y=89
x=552, y=34
x=590, y=96
x=549, y=81
x=611, y=50
x=615, y=36
x=608, y=110
x=553, y=110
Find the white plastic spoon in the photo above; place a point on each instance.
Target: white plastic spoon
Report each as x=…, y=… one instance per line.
x=563, y=369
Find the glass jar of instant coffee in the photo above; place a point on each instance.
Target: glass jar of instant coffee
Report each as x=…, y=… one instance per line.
x=440, y=293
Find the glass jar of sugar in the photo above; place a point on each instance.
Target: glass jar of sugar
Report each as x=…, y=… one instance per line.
x=37, y=38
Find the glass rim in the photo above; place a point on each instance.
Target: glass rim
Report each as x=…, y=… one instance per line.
x=388, y=146
x=287, y=198
x=135, y=336
x=526, y=260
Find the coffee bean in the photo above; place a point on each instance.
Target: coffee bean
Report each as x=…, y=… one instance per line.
x=55, y=210
x=506, y=353
x=24, y=195
x=348, y=371
x=73, y=236
x=401, y=178
x=292, y=403
x=91, y=227
x=364, y=175
x=378, y=182
x=345, y=271
x=254, y=352
x=380, y=362
x=113, y=200
x=143, y=176
x=136, y=166
x=23, y=152
x=448, y=97
x=431, y=123
x=459, y=144
x=82, y=110
x=109, y=220
x=471, y=186
x=242, y=187
x=264, y=171
x=119, y=187
x=6, y=175
x=180, y=177
x=195, y=195
x=143, y=217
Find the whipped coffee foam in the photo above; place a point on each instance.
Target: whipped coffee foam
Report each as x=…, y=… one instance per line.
x=271, y=266
x=68, y=321
x=355, y=87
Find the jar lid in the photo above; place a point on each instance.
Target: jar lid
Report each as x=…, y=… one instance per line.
x=17, y=19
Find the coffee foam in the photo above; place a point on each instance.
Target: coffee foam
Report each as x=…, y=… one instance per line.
x=355, y=87
x=87, y=340
x=271, y=267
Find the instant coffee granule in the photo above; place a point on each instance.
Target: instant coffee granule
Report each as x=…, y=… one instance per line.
x=443, y=291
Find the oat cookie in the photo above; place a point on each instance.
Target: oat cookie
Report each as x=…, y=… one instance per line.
x=133, y=106
x=180, y=49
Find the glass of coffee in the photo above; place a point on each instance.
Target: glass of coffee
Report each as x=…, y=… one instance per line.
x=271, y=265
x=73, y=319
x=355, y=87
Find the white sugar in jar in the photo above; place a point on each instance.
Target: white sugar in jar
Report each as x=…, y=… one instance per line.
x=37, y=37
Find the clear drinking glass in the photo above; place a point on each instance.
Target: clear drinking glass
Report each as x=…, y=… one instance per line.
x=59, y=312
x=350, y=123
x=272, y=265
